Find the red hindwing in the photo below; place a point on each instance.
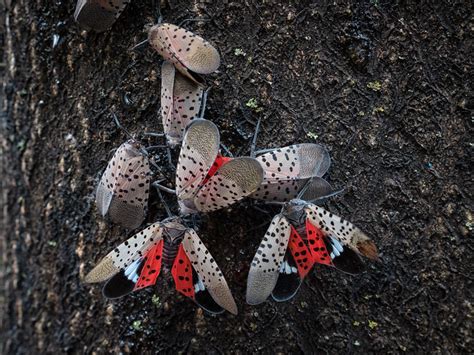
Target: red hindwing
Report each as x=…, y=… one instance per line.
x=152, y=267
x=182, y=272
x=316, y=244
x=218, y=163
x=300, y=253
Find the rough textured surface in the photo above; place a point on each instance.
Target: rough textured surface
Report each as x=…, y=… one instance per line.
x=385, y=86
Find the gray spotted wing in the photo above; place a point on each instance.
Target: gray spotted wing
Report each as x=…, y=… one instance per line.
x=344, y=231
x=187, y=51
x=198, y=151
x=123, y=190
x=264, y=270
x=288, y=169
x=180, y=102
x=284, y=191
x=98, y=15
x=126, y=253
x=208, y=271
x=235, y=180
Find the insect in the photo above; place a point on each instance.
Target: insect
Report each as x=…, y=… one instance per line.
x=98, y=15
x=180, y=102
x=189, y=53
x=206, y=181
x=171, y=246
x=287, y=170
x=123, y=190
x=300, y=236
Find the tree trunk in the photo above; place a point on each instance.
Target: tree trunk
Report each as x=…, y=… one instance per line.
x=386, y=87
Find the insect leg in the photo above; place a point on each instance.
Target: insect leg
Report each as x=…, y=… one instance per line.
x=119, y=125
x=332, y=194
x=157, y=185
x=204, y=102
x=228, y=152
x=193, y=20
x=139, y=45
x=167, y=209
x=254, y=140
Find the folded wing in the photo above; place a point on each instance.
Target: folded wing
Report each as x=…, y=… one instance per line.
x=235, y=180
x=198, y=151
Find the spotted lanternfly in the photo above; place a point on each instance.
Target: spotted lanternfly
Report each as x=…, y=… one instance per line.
x=98, y=15
x=205, y=181
x=180, y=102
x=123, y=190
x=189, y=53
x=288, y=169
x=136, y=264
x=300, y=236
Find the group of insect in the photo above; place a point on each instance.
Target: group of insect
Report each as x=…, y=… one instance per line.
x=301, y=235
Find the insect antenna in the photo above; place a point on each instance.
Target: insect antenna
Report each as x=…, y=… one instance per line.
x=332, y=194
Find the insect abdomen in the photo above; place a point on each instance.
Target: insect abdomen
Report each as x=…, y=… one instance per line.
x=169, y=254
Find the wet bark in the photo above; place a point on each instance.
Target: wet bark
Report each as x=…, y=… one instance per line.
x=386, y=86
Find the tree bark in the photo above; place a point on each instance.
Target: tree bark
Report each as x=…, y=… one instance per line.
x=386, y=86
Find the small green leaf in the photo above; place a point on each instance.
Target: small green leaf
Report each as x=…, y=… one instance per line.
x=374, y=85
x=373, y=324
x=137, y=325
x=239, y=52
x=379, y=109
x=156, y=300
x=252, y=103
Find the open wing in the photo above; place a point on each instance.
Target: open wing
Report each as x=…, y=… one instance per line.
x=264, y=270
x=210, y=287
x=98, y=15
x=134, y=264
x=296, y=265
x=235, y=180
x=326, y=249
x=343, y=231
x=198, y=151
x=187, y=51
x=180, y=102
x=123, y=190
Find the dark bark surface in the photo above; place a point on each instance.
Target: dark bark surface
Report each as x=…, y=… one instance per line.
x=385, y=86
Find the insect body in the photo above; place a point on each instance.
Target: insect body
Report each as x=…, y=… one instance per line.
x=180, y=102
x=288, y=169
x=123, y=190
x=300, y=236
x=171, y=246
x=201, y=186
x=98, y=15
x=189, y=53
